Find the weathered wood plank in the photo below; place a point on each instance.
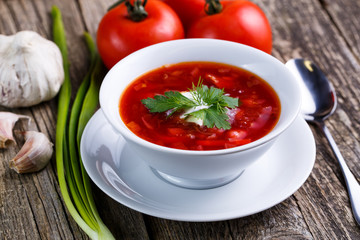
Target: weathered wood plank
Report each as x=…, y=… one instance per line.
x=346, y=16
x=32, y=203
x=326, y=32
x=45, y=216
x=304, y=29
x=283, y=221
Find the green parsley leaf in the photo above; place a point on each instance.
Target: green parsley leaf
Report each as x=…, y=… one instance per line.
x=230, y=101
x=214, y=100
x=172, y=100
x=212, y=117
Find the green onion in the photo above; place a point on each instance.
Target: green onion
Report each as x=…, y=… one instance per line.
x=74, y=182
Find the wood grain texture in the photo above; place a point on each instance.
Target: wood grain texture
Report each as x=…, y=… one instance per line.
x=318, y=37
x=31, y=204
x=324, y=31
x=339, y=11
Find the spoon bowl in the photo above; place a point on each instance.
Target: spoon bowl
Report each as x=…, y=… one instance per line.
x=318, y=103
x=319, y=97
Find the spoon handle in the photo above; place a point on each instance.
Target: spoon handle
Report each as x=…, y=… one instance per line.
x=352, y=184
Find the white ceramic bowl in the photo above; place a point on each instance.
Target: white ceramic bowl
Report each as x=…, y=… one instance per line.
x=200, y=169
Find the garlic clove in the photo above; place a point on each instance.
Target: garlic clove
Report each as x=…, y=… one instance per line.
x=7, y=123
x=34, y=154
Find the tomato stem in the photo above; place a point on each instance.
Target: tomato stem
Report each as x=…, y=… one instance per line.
x=137, y=11
x=213, y=7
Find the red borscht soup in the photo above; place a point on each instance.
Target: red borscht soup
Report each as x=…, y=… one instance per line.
x=257, y=113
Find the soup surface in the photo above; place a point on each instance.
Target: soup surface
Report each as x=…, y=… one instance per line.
x=256, y=115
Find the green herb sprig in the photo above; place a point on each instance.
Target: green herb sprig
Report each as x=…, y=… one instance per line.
x=75, y=185
x=212, y=101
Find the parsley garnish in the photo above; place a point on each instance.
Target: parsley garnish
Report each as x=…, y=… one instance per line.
x=212, y=103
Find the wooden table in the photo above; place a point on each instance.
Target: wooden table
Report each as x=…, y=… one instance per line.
x=325, y=31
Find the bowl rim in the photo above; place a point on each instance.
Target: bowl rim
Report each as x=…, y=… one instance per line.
x=129, y=135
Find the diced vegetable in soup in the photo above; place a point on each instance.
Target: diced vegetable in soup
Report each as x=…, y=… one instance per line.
x=200, y=106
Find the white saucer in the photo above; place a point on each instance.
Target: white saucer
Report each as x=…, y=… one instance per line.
x=128, y=180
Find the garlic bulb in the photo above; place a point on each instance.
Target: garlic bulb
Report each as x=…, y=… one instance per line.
x=31, y=69
x=7, y=123
x=34, y=154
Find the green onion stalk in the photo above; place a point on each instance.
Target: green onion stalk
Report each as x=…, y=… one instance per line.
x=74, y=182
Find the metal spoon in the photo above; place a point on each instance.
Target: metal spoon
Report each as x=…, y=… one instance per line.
x=319, y=102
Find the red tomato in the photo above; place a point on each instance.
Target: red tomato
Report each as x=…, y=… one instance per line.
x=239, y=21
x=118, y=35
x=187, y=10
